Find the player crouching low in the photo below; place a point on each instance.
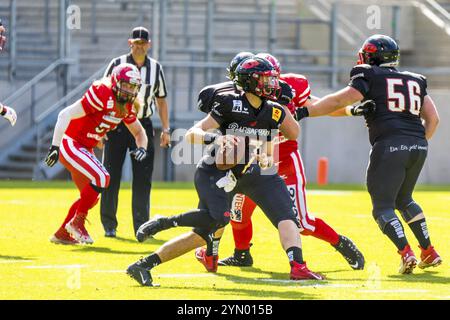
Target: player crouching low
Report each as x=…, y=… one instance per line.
x=80, y=127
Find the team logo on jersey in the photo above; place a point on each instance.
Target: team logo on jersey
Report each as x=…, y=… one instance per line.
x=276, y=114
x=110, y=103
x=238, y=107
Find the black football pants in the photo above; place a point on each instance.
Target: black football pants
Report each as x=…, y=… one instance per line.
x=269, y=192
x=393, y=170
x=120, y=142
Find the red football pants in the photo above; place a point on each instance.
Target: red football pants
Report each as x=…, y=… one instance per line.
x=85, y=170
x=291, y=169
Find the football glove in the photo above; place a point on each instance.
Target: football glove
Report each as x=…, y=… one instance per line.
x=9, y=114
x=139, y=154
x=301, y=113
x=52, y=156
x=363, y=109
x=285, y=94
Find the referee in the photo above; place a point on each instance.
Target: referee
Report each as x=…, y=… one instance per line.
x=120, y=141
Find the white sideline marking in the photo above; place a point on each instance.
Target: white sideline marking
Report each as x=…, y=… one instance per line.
x=66, y=266
x=395, y=291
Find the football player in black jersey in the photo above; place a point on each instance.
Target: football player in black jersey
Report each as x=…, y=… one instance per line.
x=250, y=115
x=207, y=94
x=404, y=120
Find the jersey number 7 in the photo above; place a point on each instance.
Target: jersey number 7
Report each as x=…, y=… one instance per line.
x=396, y=100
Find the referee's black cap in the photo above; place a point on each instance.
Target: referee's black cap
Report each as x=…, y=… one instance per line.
x=140, y=33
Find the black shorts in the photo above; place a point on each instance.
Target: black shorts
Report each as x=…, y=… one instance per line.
x=393, y=170
x=270, y=193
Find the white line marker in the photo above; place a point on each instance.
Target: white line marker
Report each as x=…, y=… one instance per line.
x=394, y=291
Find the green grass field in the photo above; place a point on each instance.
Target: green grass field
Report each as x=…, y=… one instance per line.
x=33, y=268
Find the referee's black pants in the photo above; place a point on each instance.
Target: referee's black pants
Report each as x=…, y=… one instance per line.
x=118, y=145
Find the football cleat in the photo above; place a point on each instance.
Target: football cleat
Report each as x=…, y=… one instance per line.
x=150, y=228
x=110, y=233
x=209, y=262
x=408, y=261
x=76, y=229
x=140, y=274
x=299, y=271
x=429, y=258
x=240, y=258
x=350, y=252
x=62, y=237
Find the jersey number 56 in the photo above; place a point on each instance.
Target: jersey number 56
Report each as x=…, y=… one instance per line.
x=396, y=99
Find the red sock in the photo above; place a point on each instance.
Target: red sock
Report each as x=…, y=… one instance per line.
x=324, y=232
x=242, y=234
x=88, y=198
x=72, y=211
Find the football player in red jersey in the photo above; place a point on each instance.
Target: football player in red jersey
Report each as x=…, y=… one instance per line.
x=6, y=112
x=81, y=127
x=290, y=168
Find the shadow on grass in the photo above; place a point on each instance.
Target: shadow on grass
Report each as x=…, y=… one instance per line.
x=15, y=258
x=108, y=250
x=242, y=293
x=149, y=241
x=426, y=276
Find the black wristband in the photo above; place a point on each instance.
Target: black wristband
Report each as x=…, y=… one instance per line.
x=3, y=111
x=209, y=138
x=301, y=113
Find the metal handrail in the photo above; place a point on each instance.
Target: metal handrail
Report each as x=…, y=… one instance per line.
x=440, y=9
x=34, y=81
x=69, y=96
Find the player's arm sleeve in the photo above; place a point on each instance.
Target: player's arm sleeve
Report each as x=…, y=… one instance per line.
x=302, y=97
x=360, y=77
x=205, y=98
x=278, y=115
x=425, y=85
x=92, y=99
x=220, y=110
x=73, y=111
x=130, y=118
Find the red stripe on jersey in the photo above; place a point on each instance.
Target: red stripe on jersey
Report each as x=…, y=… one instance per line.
x=93, y=101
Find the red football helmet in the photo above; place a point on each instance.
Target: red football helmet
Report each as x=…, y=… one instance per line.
x=274, y=61
x=126, y=82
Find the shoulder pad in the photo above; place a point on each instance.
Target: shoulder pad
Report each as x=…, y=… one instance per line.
x=416, y=75
x=361, y=71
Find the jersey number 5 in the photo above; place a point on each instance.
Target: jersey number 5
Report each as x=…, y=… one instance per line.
x=396, y=100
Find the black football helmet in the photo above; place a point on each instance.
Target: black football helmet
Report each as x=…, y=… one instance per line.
x=257, y=76
x=235, y=62
x=379, y=50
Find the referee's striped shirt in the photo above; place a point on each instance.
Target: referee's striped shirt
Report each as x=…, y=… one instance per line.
x=153, y=82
